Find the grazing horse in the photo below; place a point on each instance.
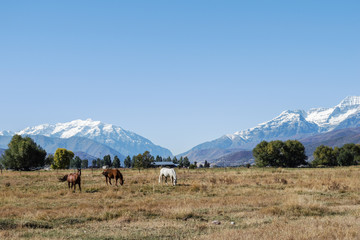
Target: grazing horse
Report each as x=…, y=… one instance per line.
x=73, y=178
x=168, y=172
x=113, y=173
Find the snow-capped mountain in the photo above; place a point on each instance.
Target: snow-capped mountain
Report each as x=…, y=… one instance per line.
x=6, y=133
x=292, y=125
x=123, y=141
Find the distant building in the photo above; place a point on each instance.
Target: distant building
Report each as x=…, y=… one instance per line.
x=164, y=164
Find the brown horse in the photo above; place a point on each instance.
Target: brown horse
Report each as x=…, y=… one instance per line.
x=113, y=173
x=73, y=178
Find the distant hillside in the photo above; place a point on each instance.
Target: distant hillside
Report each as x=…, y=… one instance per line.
x=84, y=155
x=336, y=138
x=235, y=159
x=117, y=138
x=290, y=124
x=75, y=144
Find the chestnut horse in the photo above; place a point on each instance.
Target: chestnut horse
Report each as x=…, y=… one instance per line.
x=73, y=178
x=113, y=173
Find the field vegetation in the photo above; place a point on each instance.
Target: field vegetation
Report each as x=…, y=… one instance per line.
x=232, y=203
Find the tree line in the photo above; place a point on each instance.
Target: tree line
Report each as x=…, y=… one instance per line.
x=146, y=160
x=24, y=154
x=291, y=153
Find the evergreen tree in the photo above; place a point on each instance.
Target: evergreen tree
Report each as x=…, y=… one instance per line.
x=85, y=163
x=49, y=160
x=206, y=164
x=133, y=161
x=158, y=159
x=186, y=162
x=107, y=160
x=147, y=159
x=99, y=163
x=93, y=163
x=137, y=161
x=181, y=162
x=116, y=162
x=127, y=162
x=75, y=163
x=193, y=166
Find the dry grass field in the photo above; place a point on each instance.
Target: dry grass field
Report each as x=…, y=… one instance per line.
x=247, y=203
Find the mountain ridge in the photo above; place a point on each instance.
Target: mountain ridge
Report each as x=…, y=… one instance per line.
x=122, y=141
x=290, y=124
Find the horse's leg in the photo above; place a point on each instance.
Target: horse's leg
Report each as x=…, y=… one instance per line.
x=79, y=185
x=172, y=180
x=69, y=185
x=110, y=181
x=166, y=180
x=106, y=181
x=116, y=181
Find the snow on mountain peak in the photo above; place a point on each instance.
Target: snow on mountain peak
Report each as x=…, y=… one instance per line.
x=350, y=101
x=125, y=142
x=297, y=122
x=6, y=133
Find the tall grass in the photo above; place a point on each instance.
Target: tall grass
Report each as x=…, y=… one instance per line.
x=249, y=204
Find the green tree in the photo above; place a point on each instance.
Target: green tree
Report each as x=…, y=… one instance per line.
x=75, y=162
x=85, y=163
x=49, y=160
x=158, y=159
x=93, y=163
x=260, y=154
x=62, y=158
x=147, y=159
x=181, y=162
x=23, y=153
x=279, y=154
x=324, y=155
x=175, y=160
x=186, y=162
x=127, y=162
x=193, y=165
x=99, y=163
x=107, y=160
x=206, y=164
x=144, y=160
x=116, y=162
x=294, y=154
x=137, y=161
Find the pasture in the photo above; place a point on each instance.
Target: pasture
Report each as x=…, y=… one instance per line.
x=247, y=204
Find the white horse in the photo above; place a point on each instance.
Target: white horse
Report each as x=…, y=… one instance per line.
x=168, y=172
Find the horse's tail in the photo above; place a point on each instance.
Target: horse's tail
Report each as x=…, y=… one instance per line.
x=63, y=179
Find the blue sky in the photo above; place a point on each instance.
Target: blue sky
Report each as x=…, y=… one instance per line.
x=176, y=72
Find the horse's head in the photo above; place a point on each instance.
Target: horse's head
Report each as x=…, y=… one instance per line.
x=105, y=173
